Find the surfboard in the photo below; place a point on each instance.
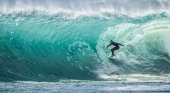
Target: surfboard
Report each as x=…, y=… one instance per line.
x=114, y=57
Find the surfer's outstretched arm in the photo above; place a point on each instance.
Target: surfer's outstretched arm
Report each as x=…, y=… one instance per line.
x=108, y=45
x=121, y=44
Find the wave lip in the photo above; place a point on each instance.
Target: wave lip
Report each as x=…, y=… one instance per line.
x=88, y=7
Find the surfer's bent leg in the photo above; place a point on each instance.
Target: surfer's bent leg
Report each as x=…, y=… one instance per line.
x=112, y=50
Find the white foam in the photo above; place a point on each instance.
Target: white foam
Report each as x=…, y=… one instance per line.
x=166, y=41
x=137, y=77
x=85, y=7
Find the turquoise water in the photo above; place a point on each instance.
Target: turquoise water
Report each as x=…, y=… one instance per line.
x=54, y=40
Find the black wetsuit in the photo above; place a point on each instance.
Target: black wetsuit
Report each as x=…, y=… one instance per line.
x=115, y=48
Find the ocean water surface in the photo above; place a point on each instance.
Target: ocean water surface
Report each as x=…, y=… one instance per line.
x=60, y=46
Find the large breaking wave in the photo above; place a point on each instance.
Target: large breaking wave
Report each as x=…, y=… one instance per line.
x=50, y=40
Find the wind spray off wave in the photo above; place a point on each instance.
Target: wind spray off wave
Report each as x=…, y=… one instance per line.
x=75, y=8
x=52, y=39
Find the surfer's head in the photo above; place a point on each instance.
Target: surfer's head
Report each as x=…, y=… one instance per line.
x=111, y=41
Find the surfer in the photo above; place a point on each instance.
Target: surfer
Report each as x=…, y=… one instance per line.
x=115, y=48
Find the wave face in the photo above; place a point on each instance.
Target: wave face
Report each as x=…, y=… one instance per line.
x=66, y=39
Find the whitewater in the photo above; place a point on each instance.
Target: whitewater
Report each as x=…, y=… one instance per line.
x=60, y=46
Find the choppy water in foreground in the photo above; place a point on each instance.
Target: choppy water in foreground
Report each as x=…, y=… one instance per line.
x=84, y=87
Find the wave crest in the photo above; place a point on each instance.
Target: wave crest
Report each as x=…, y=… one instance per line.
x=76, y=8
